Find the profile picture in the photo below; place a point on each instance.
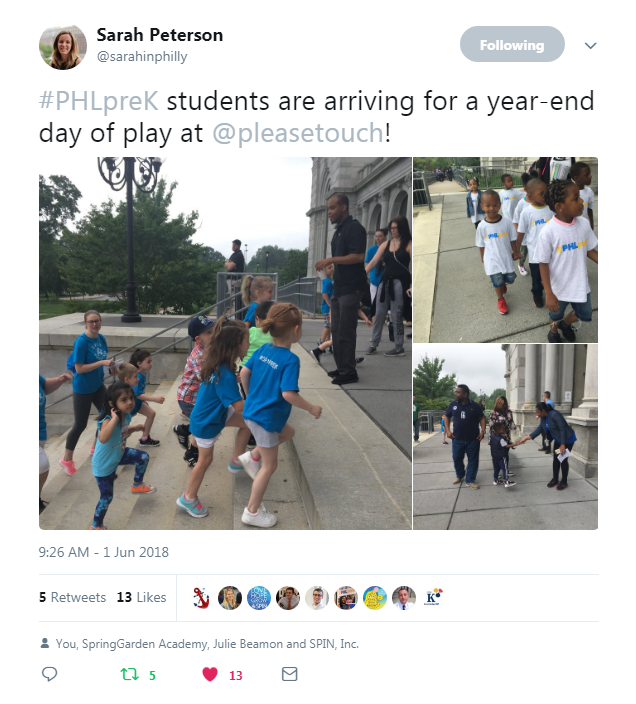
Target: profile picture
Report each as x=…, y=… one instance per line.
x=288, y=598
x=63, y=48
x=345, y=598
x=374, y=598
x=259, y=598
x=317, y=598
x=403, y=598
x=230, y=598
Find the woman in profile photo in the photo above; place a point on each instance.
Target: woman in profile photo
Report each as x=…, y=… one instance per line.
x=343, y=603
x=229, y=600
x=65, y=51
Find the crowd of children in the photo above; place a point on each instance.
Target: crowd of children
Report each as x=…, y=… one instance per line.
x=551, y=227
x=240, y=374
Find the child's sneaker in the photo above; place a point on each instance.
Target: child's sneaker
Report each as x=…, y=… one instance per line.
x=252, y=441
x=538, y=301
x=561, y=486
x=318, y=342
x=234, y=467
x=194, y=508
x=497, y=482
x=149, y=442
x=554, y=337
x=315, y=353
x=68, y=466
x=522, y=271
x=568, y=332
x=261, y=519
x=98, y=528
x=91, y=451
x=182, y=433
x=250, y=465
x=396, y=352
x=501, y=304
x=191, y=456
x=143, y=489
x=510, y=483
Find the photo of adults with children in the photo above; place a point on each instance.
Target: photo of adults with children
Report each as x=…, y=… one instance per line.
x=506, y=249
x=203, y=395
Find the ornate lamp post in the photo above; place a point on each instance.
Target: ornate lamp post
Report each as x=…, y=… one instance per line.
x=124, y=171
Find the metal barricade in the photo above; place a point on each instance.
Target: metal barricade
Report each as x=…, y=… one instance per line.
x=228, y=285
x=421, y=181
x=303, y=293
x=488, y=176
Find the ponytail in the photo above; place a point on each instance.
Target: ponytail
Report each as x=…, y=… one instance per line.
x=281, y=318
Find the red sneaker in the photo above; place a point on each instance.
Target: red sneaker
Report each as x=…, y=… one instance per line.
x=504, y=288
x=501, y=304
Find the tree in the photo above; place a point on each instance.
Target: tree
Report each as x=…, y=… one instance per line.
x=173, y=274
x=275, y=261
x=432, y=390
x=295, y=264
x=58, y=206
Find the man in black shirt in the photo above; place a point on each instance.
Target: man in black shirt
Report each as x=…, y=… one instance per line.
x=349, y=282
x=235, y=263
x=469, y=427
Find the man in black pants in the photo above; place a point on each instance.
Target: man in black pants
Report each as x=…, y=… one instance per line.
x=236, y=263
x=350, y=281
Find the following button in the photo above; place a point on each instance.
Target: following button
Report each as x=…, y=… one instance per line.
x=505, y=44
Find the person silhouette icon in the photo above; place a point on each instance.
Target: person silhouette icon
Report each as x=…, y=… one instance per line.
x=45, y=643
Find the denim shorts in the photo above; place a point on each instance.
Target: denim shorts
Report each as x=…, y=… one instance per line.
x=138, y=404
x=498, y=280
x=186, y=408
x=583, y=311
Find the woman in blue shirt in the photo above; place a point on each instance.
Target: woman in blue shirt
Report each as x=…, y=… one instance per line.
x=90, y=357
x=564, y=439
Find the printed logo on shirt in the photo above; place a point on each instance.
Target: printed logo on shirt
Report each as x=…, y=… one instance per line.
x=272, y=364
x=510, y=198
x=543, y=221
x=496, y=235
x=572, y=246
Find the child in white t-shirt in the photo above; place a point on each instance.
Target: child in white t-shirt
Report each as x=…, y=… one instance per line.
x=533, y=219
x=581, y=174
x=473, y=203
x=494, y=237
x=509, y=196
x=564, y=246
x=521, y=205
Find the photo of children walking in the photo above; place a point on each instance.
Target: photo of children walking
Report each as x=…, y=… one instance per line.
x=505, y=249
x=260, y=403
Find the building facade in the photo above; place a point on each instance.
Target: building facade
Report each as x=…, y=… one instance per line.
x=570, y=374
x=379, y=188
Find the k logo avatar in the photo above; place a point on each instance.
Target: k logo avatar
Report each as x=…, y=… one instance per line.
x=432, y=597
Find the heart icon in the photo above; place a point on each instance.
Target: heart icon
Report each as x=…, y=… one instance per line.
x=210, y=673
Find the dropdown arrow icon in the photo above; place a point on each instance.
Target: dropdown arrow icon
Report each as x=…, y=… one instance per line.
x=590, y=47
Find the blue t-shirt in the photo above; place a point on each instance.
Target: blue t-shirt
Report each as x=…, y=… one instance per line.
x=274, y=370
x=466, y=419
x=327, y=287
x=141, y=384
x=550, y=403
x=107, y=455
x=374, y=275
x=250, y=316
x=87, y=351
x=210, y=409
x=42, y=406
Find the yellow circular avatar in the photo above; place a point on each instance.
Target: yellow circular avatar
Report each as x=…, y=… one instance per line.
x=374, y=598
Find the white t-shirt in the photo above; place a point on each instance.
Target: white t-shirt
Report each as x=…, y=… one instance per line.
x=496, y=238
x=509, y=201
x=476, y=217
x=523, y=203
x=587, y=196
x=531, y=222
x=560, y=167
x=564, y=248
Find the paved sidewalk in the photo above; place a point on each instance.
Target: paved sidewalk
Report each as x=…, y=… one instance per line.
x=464, y=307
x=530, y=505
x=445, y=187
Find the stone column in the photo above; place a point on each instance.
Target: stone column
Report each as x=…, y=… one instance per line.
x=551, y=373
x=384, y=202
x=567, y=379
x=532, y=362
x=584, y=421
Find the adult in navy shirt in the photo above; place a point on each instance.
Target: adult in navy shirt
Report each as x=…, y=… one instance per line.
x=348, y=246
x=90, y=354
x=564, y=439
x=545, y=435
x=469, y=426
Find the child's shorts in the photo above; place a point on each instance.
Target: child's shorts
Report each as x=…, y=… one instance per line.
x=327, y=320
x=583, y=311
x=138, y=404
x=498, y=280
x=263, y=437
x=209, y=442
x=186, y=408
x=44, y=460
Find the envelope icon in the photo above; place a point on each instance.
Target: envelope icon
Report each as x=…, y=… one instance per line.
x=290, y=674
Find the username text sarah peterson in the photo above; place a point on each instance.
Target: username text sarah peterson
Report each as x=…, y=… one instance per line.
x=156, y=34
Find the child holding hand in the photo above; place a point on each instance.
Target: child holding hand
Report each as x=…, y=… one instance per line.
x=498, y=447
x=523, y=203
x=565, y=245
x=142, y=359
x=494, y=238
x=270, y=380
x=113, y=429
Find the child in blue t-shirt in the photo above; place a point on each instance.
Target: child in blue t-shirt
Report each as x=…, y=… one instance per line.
x=142, y=359
x=270, y=379
x=325, y=308
x=218, y=404
x=255, y=290
x=113, y=428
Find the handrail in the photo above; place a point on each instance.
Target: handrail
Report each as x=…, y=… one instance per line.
x=163, y=349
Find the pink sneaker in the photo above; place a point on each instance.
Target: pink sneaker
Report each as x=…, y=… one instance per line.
x=68, y=467
x=91, y=451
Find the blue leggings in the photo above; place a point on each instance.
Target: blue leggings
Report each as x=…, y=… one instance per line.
x=106, y=484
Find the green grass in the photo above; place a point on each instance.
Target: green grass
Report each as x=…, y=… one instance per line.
x=51, y=309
